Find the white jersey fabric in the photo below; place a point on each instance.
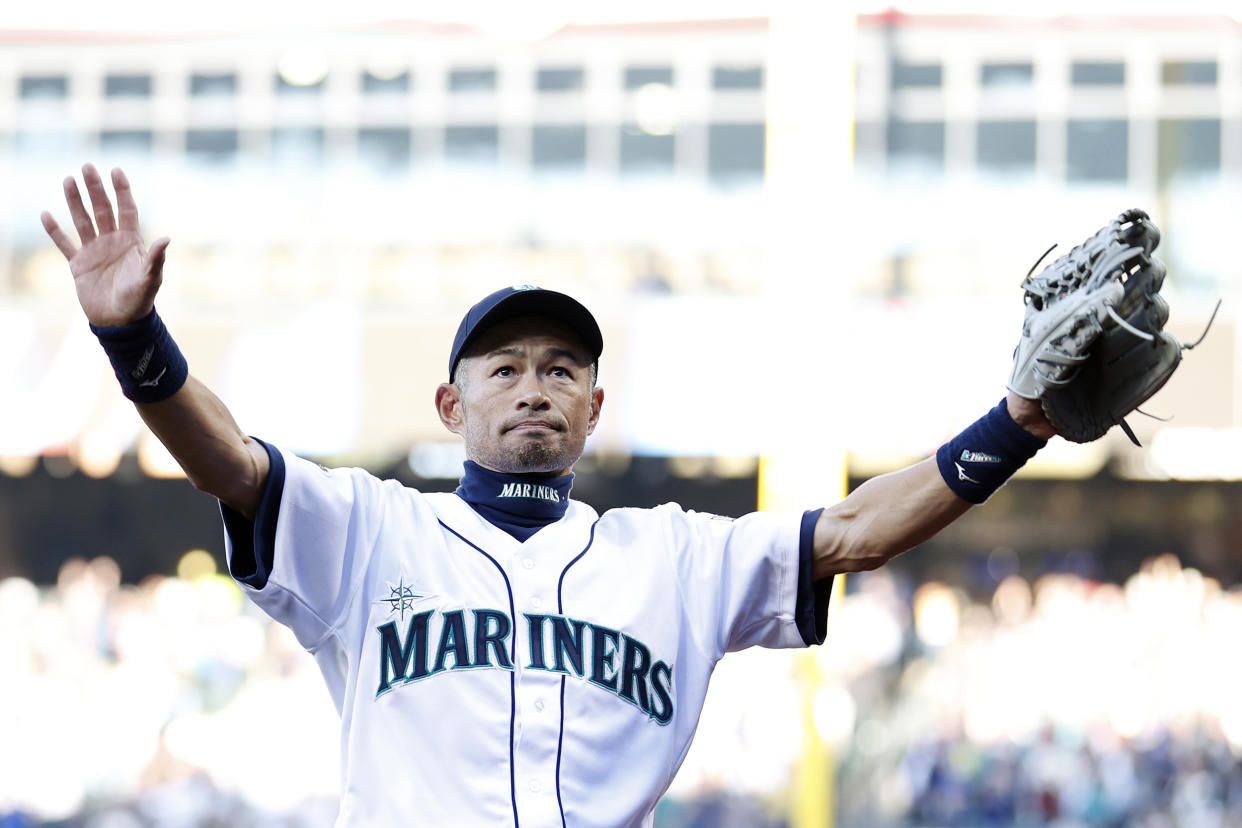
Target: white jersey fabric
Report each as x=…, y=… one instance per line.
x=483, y=681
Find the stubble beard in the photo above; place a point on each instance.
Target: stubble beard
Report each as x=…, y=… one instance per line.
x=529, y=456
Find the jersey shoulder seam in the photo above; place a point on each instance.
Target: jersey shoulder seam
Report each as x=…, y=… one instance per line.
x=335, y=626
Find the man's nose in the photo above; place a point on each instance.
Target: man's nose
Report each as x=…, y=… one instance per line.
x=533, y=394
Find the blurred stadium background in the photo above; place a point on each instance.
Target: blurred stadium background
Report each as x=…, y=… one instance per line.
x=802, y=229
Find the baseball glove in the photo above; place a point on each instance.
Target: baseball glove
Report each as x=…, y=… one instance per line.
x=1093, y=347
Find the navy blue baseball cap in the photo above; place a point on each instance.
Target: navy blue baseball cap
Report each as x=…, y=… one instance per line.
x=525, y=300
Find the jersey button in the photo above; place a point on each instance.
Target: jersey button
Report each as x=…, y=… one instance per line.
x=527, y=563
x=534, y=786
x=536, y=602
x=539, y=705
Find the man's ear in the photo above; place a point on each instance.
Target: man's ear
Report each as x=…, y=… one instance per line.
x=448, y=406
x=597, y=402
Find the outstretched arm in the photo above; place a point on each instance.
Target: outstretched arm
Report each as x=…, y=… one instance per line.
x=116, y=277
x=895, y=512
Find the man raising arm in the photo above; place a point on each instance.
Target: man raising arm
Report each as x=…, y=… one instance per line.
x=116, y=279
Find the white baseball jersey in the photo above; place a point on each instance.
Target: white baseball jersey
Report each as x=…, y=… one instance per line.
x=486, y=681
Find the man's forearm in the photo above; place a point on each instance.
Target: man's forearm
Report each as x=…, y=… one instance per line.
x=884, y=517
x=202, y=436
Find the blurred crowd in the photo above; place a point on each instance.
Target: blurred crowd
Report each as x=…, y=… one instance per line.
x=1064, y=702
x=1058, y=701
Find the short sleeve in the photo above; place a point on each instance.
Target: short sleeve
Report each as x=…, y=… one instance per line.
x=745, y=582
x=312, y=537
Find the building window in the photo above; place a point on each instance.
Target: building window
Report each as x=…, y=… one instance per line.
x=645, y=154
x=213, y=146
x=915, y=145
x=736, y=153
x=993, y=75
x=637, y=77
x=1098, y=73
x=567, y=79
x=472, y=80
x=211, y=85
x=285, y=88
x=737, y=77
x=1188, y=149
x=373, y=84
x=558, y=148
x=1097, y=151
x=1188, y=73
x=127, y=86
x=43, y=87
x=472, y=144
x=868, y=145
x=126, y=141
x=916, y=75
x=384, y=148
x=1006, y=146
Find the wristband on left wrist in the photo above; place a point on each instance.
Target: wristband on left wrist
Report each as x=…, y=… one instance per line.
x=144, y=357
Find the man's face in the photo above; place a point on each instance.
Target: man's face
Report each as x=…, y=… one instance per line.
x=523, y=399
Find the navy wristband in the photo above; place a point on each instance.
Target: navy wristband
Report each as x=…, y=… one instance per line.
x=977, y=462
x=146, y=361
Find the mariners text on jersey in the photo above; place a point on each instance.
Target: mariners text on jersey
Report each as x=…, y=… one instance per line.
x=534, y=490
x=607, y=658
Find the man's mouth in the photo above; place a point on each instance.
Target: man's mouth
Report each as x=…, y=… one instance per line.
x=533, y=425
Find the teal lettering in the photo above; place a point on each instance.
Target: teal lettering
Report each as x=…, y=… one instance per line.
x=395, y=657
x=486, y=636
x=453, y=640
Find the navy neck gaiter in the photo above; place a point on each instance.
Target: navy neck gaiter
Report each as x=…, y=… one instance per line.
x=520, y=504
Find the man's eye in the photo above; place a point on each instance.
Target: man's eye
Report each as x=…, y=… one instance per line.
x=505, y=371
x=561, y=372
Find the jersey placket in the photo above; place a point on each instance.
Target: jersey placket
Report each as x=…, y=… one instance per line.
x=538, y=692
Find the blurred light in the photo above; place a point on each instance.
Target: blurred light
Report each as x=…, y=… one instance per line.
x=735, y=467
x=1002, y=562
x=657, y=109
x=98, y=458
x=18, y=466
x=1064, y=460
x=834, y=713
x=303, y=67
x=1199, y=453
x=155, y=460
x=386, y=65
x=19, y=599
x=1012, y=600
x=688, y=468
x=196, y=564
x=937, y=614
x=437, y=461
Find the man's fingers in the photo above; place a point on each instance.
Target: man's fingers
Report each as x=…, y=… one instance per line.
x=127, y=210
x=155, y=259
x=81, y=220
x=59, y=237
x=104, y=217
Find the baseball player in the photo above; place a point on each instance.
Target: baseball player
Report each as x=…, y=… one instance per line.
x=504, y=654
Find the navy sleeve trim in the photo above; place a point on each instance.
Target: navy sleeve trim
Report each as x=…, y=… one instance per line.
x=812, y=611
x=254, y=544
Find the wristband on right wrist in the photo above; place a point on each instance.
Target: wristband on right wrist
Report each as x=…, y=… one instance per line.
x=144, y=357
x=977, y=462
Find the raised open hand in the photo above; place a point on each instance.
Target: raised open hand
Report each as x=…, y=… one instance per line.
x=115, y=275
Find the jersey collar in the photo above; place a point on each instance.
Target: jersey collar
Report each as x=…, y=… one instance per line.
x=520, y=504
